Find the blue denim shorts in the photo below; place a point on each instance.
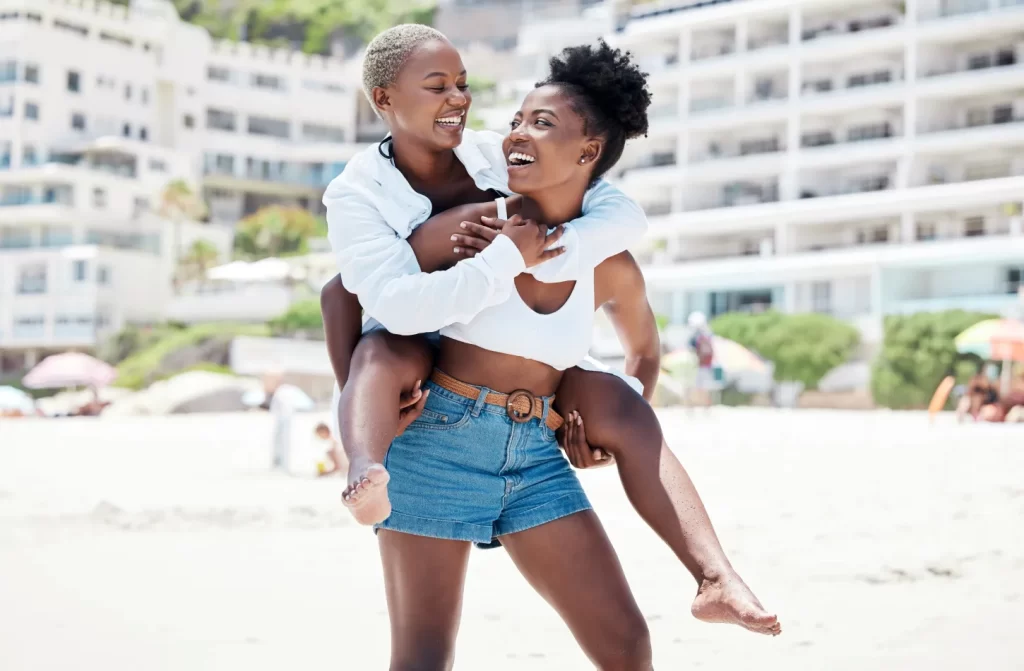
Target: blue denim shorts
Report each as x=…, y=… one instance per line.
x=465, y=471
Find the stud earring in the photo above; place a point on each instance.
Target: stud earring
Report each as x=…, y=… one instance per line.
x=582, y=161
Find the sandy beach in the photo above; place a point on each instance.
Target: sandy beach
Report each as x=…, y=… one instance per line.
x=166, y=543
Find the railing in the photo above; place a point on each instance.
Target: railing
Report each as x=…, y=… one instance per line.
x=709, y=104
x=1004, y=59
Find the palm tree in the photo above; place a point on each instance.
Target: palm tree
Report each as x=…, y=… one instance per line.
x=177, y=203
x=201, y=256
x=275, y=230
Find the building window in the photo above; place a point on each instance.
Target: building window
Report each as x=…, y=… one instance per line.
x=31, y=73
x=1014, y=281
x=78, y=121
x=144, y=96
x=869, y=132
x=272, y=82
x=140, y=206
x=32, y=111
x=321, y=133
x=32, y=279
x=127, y=91
x=74, y=81
x=126, y=130
x=220, y=119
x=156, y=165
x=266, y=126
x=926, y=232
x=821, y=297
x=143, y=134
x=78, y=270
x=99, y=197
x=75, y=28
x=103, y=275
x=188, y=121
x=974, y=227
x=218, y=74
x=28, y=155
x=880, y=234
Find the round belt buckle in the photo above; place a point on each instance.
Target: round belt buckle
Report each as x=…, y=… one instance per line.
x=513, y=414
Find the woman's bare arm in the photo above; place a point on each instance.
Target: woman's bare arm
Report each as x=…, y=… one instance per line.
x=619, y=288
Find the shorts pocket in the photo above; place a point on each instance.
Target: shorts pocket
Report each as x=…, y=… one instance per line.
x=442, y=414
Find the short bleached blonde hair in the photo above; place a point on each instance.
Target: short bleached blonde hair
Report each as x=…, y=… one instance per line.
x=387, y=53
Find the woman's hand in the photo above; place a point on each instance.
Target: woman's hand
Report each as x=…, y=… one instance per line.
x=531, y=239
x=410, y=407
x=573, y=440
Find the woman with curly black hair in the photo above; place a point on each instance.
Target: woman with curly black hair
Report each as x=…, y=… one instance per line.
x=482, y=461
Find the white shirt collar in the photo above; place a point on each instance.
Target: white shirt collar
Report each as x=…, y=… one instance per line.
x=402, y=207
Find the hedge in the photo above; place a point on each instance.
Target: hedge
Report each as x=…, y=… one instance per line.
x=803, y=347
x=917, y=352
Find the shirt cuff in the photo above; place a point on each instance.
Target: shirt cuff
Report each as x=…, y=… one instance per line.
x=503, y=255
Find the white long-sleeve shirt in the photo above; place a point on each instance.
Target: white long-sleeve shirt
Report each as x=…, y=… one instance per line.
x=372, y=209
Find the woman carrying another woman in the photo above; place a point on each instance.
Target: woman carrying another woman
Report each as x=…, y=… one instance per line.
x=513, y=484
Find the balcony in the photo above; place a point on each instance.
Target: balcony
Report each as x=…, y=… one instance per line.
x=988, y=303
x=244, y=303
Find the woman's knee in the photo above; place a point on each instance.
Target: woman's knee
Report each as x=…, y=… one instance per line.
x=626, y=423
x=628, y=649
x=434, y=657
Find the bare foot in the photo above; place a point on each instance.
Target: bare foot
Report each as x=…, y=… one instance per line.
x=367, y=492
x=730, y=601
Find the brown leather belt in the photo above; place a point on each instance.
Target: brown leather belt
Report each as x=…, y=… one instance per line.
x=521, y=406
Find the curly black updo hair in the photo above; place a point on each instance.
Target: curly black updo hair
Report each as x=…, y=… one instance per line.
x=608, y=91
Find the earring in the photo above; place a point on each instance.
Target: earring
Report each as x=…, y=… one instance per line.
x=582, y=160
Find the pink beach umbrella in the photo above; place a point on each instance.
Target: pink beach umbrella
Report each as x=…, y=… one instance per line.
x=70, y=369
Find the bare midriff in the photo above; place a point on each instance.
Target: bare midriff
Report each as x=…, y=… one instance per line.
x=503, y=373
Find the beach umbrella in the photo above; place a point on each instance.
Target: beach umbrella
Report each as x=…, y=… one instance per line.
x=734, y=358
x=15, y=400
x=995, y=340
x=70, y=369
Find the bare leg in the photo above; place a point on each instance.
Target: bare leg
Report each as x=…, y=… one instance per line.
x=620, y=422
x=571, y=563
x=383, y=367
x=423, y=578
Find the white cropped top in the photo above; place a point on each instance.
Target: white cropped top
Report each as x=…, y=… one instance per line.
x=560, y=339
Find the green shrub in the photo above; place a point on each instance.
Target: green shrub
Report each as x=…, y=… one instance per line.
x=301, y=316
x=917, y=352
x=803, y=347
x=144, y=367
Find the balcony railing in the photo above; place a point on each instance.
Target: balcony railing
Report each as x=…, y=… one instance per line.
x=1000, y=59
x=847, y=27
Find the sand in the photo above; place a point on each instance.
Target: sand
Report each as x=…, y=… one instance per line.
x=165, y=543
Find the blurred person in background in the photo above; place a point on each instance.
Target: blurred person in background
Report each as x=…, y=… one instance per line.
x=334, y=460
x=702, y=344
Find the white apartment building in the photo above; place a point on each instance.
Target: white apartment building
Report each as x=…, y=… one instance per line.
x=853, y=157
x=100, y=107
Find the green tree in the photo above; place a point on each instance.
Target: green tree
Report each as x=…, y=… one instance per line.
x=178, y=202
x=303, y=316
x=803, y=347
x=917, y=352
x=275, y=231
x=201, y=256
x=311, y=23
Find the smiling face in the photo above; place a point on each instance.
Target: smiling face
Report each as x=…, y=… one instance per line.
x=430, y=98
x=546, y=146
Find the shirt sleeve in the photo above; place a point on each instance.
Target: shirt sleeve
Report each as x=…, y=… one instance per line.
x=381, y=269
x=612, y=222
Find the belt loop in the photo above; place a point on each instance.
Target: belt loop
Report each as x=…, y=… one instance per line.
x=481, y=401
x=547, y=400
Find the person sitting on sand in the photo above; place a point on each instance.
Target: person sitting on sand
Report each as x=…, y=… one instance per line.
x=334, y=457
